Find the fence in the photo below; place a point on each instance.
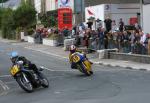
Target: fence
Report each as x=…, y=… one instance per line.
x=126, y=47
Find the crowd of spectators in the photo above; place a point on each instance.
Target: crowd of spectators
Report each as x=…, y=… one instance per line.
x=109, y=36
x=112, y=36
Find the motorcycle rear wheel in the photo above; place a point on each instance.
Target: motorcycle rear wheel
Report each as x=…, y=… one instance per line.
x=44, y=81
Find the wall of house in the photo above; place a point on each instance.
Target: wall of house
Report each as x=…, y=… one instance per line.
x=146, y=18
x=114, y=11
x=50, y=5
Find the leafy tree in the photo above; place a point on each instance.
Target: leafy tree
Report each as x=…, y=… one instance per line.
x=49, y=19
x=25, y=15
x=7, y=24
x=1, y=11
x=12, y=21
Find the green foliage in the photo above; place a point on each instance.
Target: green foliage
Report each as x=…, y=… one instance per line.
x=7, y=24
x=14, y=21
x=1, y=13
x=30, y=31
x=25, y=15
x=49, y=20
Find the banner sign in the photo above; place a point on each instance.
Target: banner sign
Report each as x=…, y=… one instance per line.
x=64, y=3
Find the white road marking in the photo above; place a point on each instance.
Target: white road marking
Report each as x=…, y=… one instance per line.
x=5, y=87
x=57, y=92
x=2, y=76
x=56, y=55
x=10, y=82
x=47, y=69
x=54, y=70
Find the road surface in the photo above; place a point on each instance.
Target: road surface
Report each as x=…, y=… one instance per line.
x=107, y=85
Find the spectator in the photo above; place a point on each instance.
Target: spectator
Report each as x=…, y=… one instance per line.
x=78, y=41
x=98, y=23
x=74, y=30
x=137, y=43
x=132, y=41
x=142, y=41
x=137, y=27
x=65, y=32
x=106, y=40
x=114, y=37
x=120, y=41
x=86, y=37
x=108, y=22
x=90, y=24
x=125, y=42
x=110, y=40
x=101, y=38
x=114, y=26
x=121, y=25
x=49, y=30
x=38, y=36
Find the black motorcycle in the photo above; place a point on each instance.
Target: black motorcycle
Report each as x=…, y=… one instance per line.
x=27, y=79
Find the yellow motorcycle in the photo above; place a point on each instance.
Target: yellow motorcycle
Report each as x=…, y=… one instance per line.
x=81, y=62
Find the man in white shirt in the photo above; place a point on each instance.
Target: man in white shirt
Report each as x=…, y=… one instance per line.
x=142, y=41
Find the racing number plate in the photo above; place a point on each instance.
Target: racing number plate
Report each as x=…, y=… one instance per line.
x=75, y=58
x=14, y=70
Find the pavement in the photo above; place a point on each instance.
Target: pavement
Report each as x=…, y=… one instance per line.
x=60, y=53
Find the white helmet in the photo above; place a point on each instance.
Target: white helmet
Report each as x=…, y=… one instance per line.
x=72, y=48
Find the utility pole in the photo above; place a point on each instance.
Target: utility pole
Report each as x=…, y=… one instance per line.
x=141, y=13
x=82, y=9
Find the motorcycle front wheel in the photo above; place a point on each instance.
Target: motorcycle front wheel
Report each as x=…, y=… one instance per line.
x=24, y=83
x=82, y=67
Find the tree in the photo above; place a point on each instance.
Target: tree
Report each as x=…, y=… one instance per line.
x=12, y=21
x=49, y=19
x=1, y=11
x=25, y=15
x=7, y=24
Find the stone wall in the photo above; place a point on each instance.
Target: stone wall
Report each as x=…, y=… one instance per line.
x=130, y=57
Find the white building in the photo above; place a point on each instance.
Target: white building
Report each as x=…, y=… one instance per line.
x=114, y=11
x=146, y=16
x=37, y=5
x=50, y=5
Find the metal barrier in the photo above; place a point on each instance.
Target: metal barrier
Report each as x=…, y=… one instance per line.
x=94, y=45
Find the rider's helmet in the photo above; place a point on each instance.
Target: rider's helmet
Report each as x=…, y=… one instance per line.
x=72, y=48
x=14, y=56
